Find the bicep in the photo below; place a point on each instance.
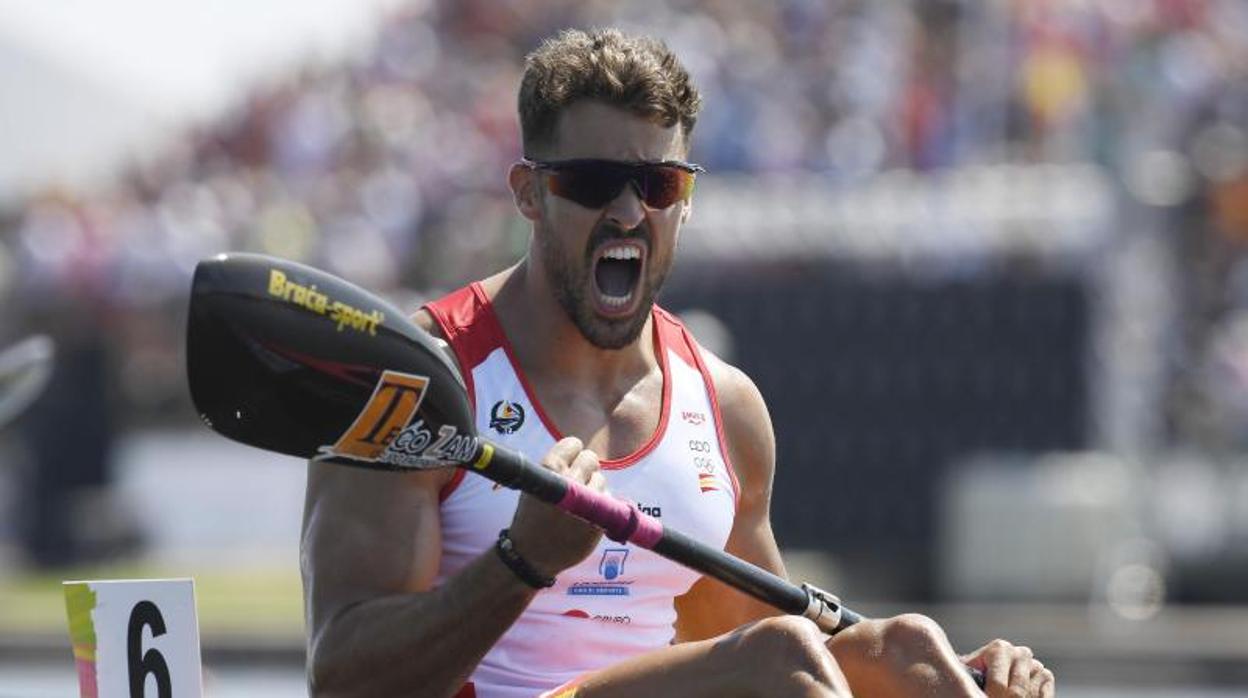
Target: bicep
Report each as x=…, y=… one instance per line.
x=367, y=534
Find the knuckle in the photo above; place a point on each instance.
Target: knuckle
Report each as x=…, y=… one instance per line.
x=564, y=454
x=555, y=460
x=568, y=447
x=1023, y=652
x=588, y=460
x=584, y=466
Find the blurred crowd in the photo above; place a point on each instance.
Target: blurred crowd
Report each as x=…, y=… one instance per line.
x=389, y=170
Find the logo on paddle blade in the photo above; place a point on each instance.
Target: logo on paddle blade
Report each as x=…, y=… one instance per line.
x=389, y=430
x=394, y=402
x=506, y=417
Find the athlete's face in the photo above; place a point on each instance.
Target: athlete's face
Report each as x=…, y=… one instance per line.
x=605, y=265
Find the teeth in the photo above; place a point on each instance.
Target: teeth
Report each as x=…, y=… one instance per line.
x=616, y=301
x=623, y=252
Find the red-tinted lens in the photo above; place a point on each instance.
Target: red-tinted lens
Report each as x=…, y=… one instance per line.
x=663, y=185
x=596, y=183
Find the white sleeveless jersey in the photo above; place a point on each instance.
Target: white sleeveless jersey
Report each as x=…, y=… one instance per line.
x=618, y=602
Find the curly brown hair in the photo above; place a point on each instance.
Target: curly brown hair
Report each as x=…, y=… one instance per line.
x=635, y=73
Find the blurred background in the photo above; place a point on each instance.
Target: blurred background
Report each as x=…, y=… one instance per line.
x=985, y=260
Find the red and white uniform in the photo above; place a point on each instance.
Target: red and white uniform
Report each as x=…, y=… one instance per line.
x=617, y=603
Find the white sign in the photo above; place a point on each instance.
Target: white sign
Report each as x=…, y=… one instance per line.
x=135, y=638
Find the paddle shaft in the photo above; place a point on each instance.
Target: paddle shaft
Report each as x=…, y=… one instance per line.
x=623, y=521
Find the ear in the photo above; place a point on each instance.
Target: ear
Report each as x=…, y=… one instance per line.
x=526, y=190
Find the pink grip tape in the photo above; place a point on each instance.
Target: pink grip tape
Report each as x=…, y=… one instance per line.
x=621, y=520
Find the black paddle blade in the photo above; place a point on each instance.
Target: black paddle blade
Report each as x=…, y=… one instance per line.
x=294, y=360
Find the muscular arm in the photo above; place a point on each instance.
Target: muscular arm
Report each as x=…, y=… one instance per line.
x=371, y=546
x=905, y=655
x=376, y=624
x=711, y=607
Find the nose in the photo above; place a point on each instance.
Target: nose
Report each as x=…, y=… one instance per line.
x=626, y=210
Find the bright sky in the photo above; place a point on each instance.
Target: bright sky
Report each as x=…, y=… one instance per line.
x=87, y=84
x=186, y=56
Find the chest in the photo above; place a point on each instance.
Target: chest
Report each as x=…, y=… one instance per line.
x=677, y=473
x=613, y=426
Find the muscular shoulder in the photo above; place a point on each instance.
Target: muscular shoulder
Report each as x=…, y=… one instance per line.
x=710, y=608
x=747, y=426
x=744, y=410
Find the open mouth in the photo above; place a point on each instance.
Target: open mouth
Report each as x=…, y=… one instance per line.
x=618, y=267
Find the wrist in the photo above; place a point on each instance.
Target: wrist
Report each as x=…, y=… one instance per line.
x=505, y=549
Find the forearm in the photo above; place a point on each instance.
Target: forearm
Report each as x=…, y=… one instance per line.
x=426, y=643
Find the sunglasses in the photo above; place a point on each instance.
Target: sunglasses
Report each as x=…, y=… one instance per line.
x=594, y=183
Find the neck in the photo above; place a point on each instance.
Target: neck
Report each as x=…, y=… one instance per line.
x=547, y=343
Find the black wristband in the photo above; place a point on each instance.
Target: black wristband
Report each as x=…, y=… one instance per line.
x=520, y=567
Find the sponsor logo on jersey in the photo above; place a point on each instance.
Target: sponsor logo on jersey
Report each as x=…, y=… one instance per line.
x=612, y=563
x=618, y=620
x=600, y=588
x=600, y=617
x=611, y=569
x=506, y=417
x=694, y=418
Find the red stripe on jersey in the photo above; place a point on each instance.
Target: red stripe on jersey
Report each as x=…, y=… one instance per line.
x=496, y=330
x=687, y=348
x=472, y=341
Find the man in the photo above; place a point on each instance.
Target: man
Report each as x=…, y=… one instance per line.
x=412, y=590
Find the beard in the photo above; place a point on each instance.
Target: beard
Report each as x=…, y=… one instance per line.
x=571, y=280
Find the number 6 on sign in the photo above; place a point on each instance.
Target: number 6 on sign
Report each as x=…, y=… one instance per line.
x=135, y=638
